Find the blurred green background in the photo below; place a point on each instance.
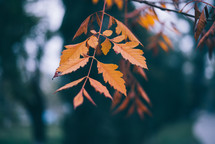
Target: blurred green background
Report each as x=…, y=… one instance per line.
x=181, y=83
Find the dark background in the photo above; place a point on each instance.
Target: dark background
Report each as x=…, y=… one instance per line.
x=182, y=100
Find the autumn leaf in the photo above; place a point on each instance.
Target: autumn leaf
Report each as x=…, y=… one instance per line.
x=121, y=28
x=70, y=85
x=210, y=31
x=119, y=4
x=95, y=1
x=88, y=97
x=99, y=87
x=93, y=32
x=93, y=41
x=111, y=21
x=74, y=52
x=167, y=40
x=106, y=46
x=118, y=39
x=112, y=76
x=109, y=3
x=107, y=33
x=128, y=52
x=143, y=93
x=197, y=14
x=78, y=100
x=72, y=65
x=163, y=45
x=141, y=72
x=116, y=99
x=83, y=28
x=123, y=105
x=200, y=26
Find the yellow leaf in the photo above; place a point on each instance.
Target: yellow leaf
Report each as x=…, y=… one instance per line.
x=70, y=85
x=118, y=38
x=163, y=5
x=109, y=3
x=112, y=76
x=99, y=87
x=93, y=31
x=128, y=52
x=143, y=22
x=163, y=46
x=107, y=33
x=119, y=4
x=88, y=97
x=167, y=40
x=83, y=28
x=106, y=46
x=95, y=1
x=78, y=100
x=74, y=52
x=93, y=41
x=150, y=19
x=72, y=65
x=121, y=28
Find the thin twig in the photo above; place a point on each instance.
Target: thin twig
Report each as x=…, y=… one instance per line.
x=93, y=57
x=166, y=9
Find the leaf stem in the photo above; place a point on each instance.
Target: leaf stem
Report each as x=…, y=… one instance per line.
x=93, y=57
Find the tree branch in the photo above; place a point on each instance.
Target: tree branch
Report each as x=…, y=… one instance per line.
x=166, y=9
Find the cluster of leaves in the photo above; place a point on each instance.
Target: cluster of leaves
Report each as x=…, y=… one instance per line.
x=146, y=16
x=202, y=35
x=120, y=39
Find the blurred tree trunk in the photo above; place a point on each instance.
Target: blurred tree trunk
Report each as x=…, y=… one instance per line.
x=15, y=26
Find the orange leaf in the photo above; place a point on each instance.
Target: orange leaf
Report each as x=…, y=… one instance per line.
x=72, y=65
x=141, y=72
x=74, y=52
x=93, y=41
x=99, y=87
x=200, y=26
x=78, y=100
x=116, y=99
x=70, y=85
x=107, y=33
x=119, y=4
x=106, y=46
x=95, y=1
x=88, y=97
x=83, y=28
x=128, y=52
x=121, y=28
x=110, y=22
x=109, y=3
x=93, y=32
x=167, y=40
x=131, y=110
x=118, y=38
x=113, y=77
x=123, y=105
x=163, y=46
x=143, y=93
